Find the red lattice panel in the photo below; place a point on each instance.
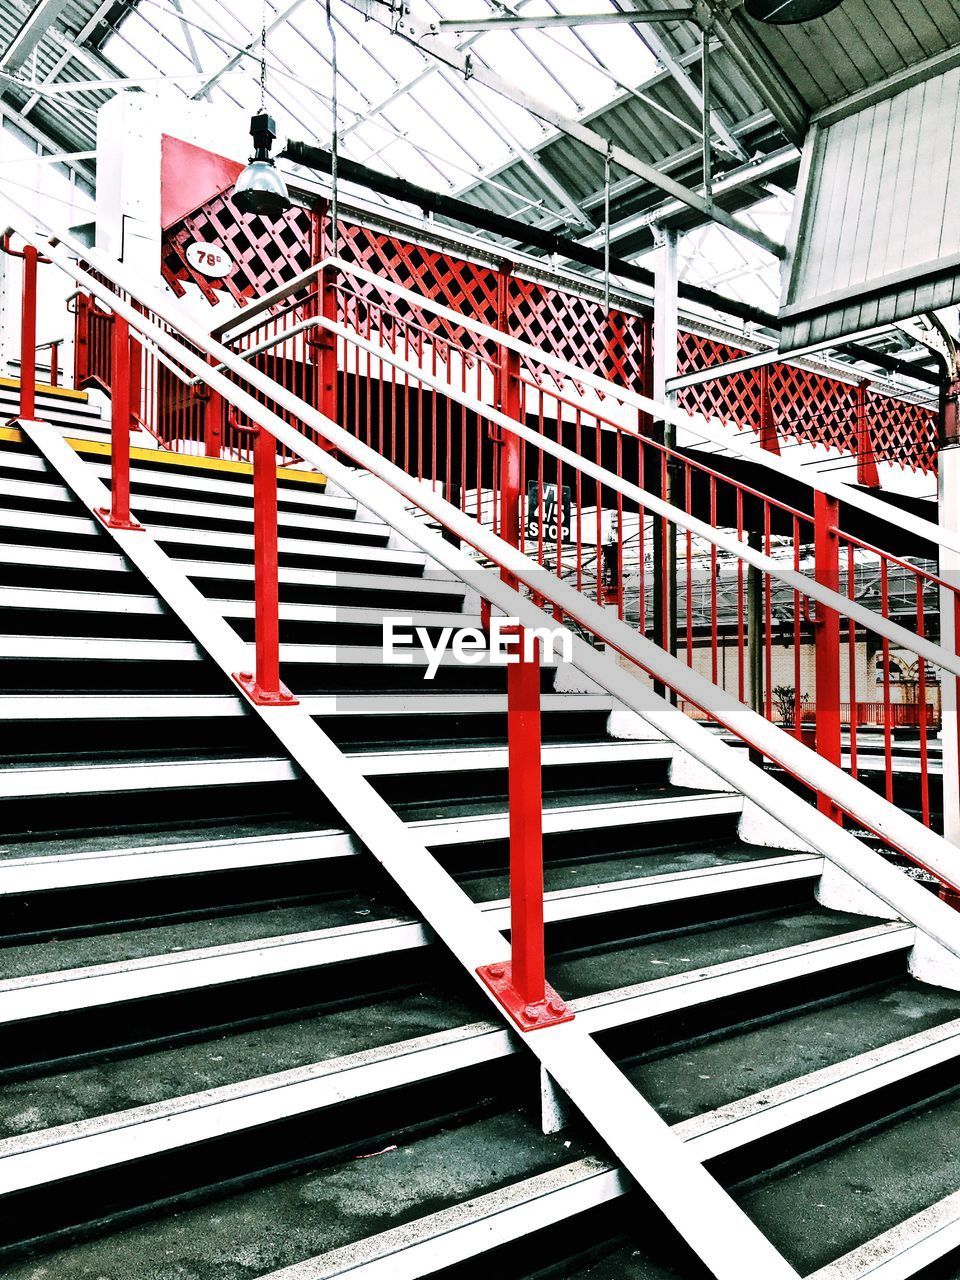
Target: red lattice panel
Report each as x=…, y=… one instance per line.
x=903, y=433
x=577, y=330
x=736, y=398
x=265, y=254
x=808, y=406
x=453, y=282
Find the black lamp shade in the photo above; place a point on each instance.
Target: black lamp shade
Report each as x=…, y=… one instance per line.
x=782, y=13
x=260, y=189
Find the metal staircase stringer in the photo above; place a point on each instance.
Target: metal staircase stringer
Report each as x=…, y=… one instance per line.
x=702, y=1212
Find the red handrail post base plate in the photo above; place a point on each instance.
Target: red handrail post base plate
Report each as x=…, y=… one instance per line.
x=106, y=519
x=260, y=697
x=547, y=1012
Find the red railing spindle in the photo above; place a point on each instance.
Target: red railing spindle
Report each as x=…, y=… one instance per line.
x=827, y=644
x=263, y=686
x=121, y=419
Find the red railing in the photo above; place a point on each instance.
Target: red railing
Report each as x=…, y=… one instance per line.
x=583, y=495
x=899, y=715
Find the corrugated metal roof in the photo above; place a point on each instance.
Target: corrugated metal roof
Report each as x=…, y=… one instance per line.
x=879, y=231
x=857, y=45
x=67, y=119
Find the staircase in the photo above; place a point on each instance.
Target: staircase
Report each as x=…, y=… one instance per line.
x=232, y=1051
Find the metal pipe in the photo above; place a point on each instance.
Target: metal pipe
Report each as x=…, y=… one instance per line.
x=472, y=215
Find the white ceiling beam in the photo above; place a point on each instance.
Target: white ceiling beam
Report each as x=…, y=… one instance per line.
x=533, y=163
x=235, y=59
x=70, y=51
x=421, y=36
x=35, y=26
x=507, y=22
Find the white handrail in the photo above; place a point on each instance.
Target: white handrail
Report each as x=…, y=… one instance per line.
x=796, y=581
x=925, y=847
x=696, y=424
x=793, y=578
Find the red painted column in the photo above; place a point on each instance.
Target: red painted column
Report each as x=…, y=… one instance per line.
x=509, y=397
x=827, y=630
x=81, y=341
x=768, y=428
x=118, y=516
x=867, y=473
x=263, y=686
x=328, y=387
x=28, y=335
x=213, y=419
x=521, y=986
x=526, y=824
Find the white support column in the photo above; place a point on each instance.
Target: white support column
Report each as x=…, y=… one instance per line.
x=665, y=339
x=948, y=494
x=665, y=316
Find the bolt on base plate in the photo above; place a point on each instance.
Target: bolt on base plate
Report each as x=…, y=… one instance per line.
x=528, y=1017
x=281, y=697
x=105, y=518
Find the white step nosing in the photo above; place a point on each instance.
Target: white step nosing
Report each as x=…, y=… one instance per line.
x=166, y=475
x=119, y=982
x=173, y=535
x=101, y=1141
x=905, y=1249
x=442, y=832
x=160, y=775
x=771, y=1110
x=161, y=706
x=683, y=990
x=50, y=491
x=450, y=759
x=136, y=649
x=21, y=781
x=100, y=648
x=114, y=866
x=50, y=522
x=149, y=862
x=95, y=986
x=108, y=561
x=59, y=599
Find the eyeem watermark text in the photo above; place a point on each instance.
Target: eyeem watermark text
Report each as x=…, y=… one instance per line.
x=500, y=646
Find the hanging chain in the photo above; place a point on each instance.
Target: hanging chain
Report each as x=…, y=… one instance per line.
x=606, y=229
x=334, y=139
x=263, y=57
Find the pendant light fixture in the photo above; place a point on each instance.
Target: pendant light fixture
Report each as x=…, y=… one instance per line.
x=260, y=189
x=783, y=13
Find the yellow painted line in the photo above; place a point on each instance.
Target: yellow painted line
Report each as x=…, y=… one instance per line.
x=101, y=448
x=67, y=393
x=164, y=457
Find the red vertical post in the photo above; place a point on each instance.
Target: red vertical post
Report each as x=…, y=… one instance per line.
x=328, y=379
x=521, y=985
x=768, y=428
x=526, y=824
x=28, y=335
x=867, y=473
x=213, y=416
x=55, y=364
x=508, y=395
x=827, y=629
x=81, y=340
x=263, y=686
x=118, y=516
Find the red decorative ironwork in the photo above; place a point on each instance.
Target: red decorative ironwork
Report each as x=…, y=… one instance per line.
x=802, y=404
